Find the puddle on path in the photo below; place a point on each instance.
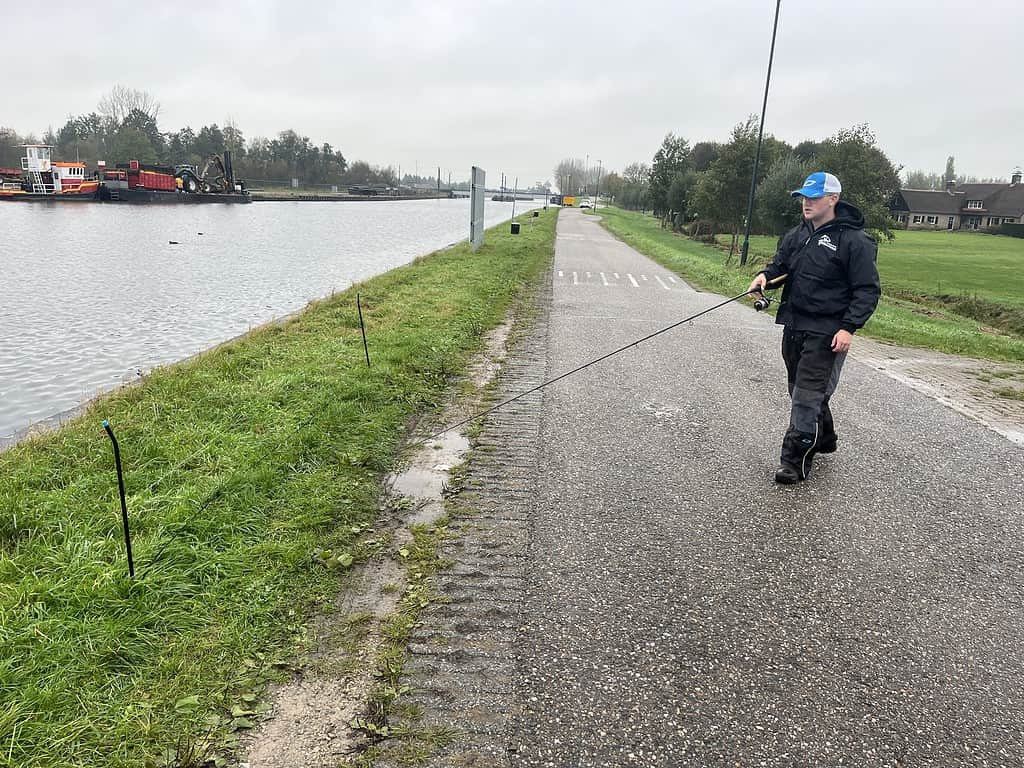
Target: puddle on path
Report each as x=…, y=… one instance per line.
x=428, y=475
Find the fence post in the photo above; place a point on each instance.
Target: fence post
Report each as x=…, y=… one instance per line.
x=124, y=505
x=362, y=328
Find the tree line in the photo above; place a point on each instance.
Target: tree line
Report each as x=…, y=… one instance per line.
x=925, y=180
x=704, y=187
x=125, y=127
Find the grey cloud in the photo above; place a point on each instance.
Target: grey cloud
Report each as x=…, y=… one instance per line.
x=517, y=86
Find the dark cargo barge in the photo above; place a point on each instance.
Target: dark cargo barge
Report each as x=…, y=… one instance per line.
x=136, y=182
x=43, y=179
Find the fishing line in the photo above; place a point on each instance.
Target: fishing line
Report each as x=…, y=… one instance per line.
x=760, y=304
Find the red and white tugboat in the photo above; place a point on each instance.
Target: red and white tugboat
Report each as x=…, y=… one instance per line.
x=40, y=178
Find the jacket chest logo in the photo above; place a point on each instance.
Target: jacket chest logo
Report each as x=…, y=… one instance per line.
x=826, y=241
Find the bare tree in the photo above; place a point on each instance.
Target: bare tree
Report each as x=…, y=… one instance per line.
x=233, y=138
x=637, y=173
x=121, y=101
x=573, y=176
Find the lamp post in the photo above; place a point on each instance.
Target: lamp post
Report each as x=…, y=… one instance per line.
x=597, y=186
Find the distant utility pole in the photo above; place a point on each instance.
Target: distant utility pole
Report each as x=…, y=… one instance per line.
x=760, y=135
x=597, y=187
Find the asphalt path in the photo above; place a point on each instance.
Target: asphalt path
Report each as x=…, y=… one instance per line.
x=683, y=610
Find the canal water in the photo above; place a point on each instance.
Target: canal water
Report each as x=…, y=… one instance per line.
x=93, y=296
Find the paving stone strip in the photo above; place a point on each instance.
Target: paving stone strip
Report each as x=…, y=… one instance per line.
x=461, y=656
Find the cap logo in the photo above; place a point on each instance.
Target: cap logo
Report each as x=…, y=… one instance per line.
x=818, y=185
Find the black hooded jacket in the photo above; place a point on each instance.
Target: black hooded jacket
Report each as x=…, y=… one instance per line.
x=833, y=280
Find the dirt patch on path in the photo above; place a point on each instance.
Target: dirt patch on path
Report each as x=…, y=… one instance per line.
x=309, y=724
x=982, y=390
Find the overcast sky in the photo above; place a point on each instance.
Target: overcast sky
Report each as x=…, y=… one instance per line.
x=516, y=86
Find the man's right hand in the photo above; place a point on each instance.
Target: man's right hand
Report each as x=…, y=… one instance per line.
x=758, y=283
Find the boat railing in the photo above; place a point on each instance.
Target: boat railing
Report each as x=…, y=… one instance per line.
x=39, y=187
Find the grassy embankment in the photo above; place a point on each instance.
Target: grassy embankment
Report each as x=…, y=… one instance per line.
x=961, y=293
x=241, y=467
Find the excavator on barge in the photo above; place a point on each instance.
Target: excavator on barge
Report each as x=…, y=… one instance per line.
x=135, y=182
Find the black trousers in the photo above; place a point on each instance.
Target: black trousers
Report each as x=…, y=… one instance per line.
x=813, y=373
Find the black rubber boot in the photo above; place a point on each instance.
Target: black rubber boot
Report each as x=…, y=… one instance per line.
x=787, y=474
x=827, y=444
x=797, y=454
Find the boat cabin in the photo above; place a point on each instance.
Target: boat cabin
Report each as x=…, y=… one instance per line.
x=42, y=176
x=37, y=158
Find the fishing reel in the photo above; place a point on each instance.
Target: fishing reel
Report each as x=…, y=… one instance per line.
x=763, y=301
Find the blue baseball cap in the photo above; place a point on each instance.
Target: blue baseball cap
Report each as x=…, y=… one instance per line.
x=818, y=185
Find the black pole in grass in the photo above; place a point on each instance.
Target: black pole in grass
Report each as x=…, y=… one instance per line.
x=124, y=505
x=362, y=328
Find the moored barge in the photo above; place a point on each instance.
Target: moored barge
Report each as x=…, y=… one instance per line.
x=135, y=182
x=41, y=178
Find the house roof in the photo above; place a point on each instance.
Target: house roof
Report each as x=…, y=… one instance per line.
x=932, y=201
x=997, y=200
x=979, y=191
x=1008, y=201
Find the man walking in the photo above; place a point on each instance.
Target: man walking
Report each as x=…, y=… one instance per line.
x=831, y=290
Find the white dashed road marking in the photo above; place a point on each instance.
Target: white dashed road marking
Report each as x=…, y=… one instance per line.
x=609, y=284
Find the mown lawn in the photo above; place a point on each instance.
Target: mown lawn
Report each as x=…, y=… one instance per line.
x=978, y=313
x=242, y=467
x=943, y=263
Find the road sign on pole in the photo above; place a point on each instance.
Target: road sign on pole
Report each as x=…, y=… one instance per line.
x=476, y=216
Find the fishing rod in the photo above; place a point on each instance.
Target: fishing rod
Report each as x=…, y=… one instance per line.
x=760, y=304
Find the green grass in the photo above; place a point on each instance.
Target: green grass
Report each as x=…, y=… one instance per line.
x=944, y=264
x=984, y=322
x=971, y=274
x=241, y=466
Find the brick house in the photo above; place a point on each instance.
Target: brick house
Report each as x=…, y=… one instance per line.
x=964, y=206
